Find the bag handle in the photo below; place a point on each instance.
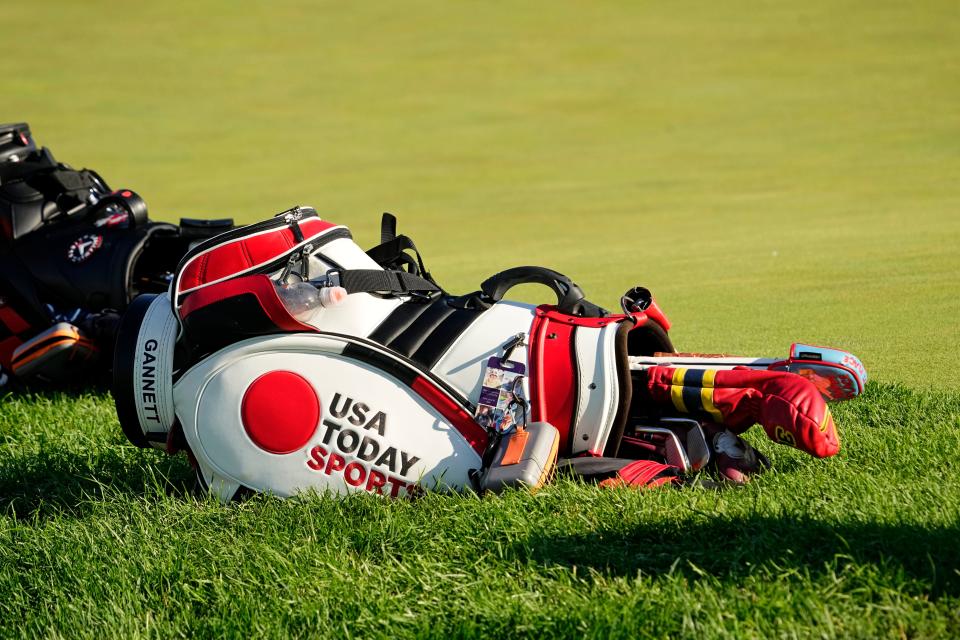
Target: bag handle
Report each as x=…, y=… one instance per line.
x=570, y=298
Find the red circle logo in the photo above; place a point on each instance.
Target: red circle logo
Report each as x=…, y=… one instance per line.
x=280, y=411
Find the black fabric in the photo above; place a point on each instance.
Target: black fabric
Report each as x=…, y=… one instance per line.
x=391, y=253
x=18, y=291
x=388, y=228
x=399, y=321
x=34, y=194
x=103, y=280
x=647, y=339
x=423, y=331
x=443, y=335
x=625, y=384
x=227, y=321
x=398, y=370
x=370, y=280
x=15, y=141
x=570, y=298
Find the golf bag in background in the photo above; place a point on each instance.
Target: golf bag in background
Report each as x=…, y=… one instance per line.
x=284, y=358
x=73, y=253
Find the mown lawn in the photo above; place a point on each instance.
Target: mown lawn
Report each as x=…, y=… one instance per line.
x=101, y=539
x=772, y=171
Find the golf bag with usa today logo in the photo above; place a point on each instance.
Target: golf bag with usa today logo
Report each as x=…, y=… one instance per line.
x=284, y=359
x=73, y=253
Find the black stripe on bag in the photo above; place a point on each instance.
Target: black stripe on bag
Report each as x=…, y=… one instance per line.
x=692, y=383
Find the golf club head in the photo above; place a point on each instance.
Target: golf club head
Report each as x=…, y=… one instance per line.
x=673, y=450
x=695, y=442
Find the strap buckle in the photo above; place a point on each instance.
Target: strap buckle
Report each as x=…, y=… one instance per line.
x=332, y=278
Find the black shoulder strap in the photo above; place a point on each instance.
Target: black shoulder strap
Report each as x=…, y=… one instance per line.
x=384, y=281
x=391, y=253
x=388, y=228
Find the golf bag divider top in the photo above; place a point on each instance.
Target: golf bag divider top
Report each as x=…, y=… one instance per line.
x=272, y=386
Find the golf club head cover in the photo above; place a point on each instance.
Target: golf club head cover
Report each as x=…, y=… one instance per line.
x=643, y=473
x=788, y=407
x=621, y=472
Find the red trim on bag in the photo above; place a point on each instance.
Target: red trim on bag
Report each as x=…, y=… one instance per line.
x=554, y=357
x=13, y=320
x=657, y=315
x=452, y=413
x=653, y=312
x=244, y=253
x=258, y=285
x=552, y=313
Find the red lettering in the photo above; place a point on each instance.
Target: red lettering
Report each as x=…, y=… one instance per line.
x=397, y=484
x=334, y=463
x=316, y=458
x=376, y=480
x=360, y=477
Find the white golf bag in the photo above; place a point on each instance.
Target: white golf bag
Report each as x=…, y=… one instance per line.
x=284, y=358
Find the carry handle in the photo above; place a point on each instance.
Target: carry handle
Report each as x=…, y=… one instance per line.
x=570, y=298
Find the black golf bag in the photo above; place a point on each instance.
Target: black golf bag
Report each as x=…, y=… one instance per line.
x=73, y=253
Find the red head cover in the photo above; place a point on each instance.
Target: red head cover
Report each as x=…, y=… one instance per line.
x=788, y=406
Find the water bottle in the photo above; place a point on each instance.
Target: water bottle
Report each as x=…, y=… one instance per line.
x=303, y=300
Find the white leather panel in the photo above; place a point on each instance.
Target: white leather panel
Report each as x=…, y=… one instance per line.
x=429, y=452
x=598, y=392
x=464, y=362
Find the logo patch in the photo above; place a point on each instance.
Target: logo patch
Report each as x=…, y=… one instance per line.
x=83, y=247
x=783, y=436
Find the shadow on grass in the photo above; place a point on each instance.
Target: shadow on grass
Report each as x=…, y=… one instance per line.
x=738, y=547
x=52, y=484
x=92, y=383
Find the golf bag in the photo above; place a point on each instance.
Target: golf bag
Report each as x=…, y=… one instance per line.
x=284, y=358
x=73, y=253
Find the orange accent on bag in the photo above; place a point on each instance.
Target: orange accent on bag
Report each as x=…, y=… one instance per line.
x=518, y=441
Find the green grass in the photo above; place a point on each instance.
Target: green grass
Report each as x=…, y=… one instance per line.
x=772, y=171
x=100, y=538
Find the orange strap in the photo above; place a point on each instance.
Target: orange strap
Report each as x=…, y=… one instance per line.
x=518, y=441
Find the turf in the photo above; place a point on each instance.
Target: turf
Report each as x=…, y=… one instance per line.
x=101, y=539
x=772, y=171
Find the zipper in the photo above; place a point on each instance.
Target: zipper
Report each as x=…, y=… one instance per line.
x=281, y=261
x=280, y=220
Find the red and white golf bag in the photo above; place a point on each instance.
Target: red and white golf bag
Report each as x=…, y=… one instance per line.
x=285, y=358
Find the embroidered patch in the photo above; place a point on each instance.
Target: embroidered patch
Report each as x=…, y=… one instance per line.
x=83, y=247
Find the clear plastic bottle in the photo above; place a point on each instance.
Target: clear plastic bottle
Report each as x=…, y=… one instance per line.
x=303, y=300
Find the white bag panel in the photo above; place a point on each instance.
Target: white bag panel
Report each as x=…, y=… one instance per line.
x=343, y=251
x=429, y=453
x=358, y=315
x=598, y=391
x=464, y=362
